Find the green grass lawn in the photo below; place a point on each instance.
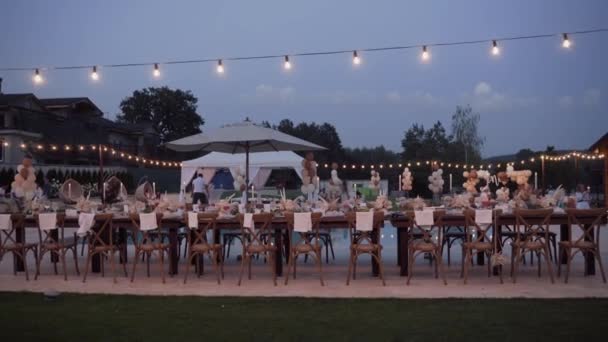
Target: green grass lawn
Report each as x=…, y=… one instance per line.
x=27, y=316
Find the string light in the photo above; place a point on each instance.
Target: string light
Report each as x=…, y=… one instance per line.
x=94, y=74
x=356, y=58
x=156, y=71
x=287, y=64
x=425, y=53
x=220, y=67
x=495, y=49
x=37, y=77
x=565, y=41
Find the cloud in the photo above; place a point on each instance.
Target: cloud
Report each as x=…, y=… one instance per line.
x=565, y=102
x=486, y=99
x=482, y=88
x=393, y=96
x=592, y=97
x=265, y=93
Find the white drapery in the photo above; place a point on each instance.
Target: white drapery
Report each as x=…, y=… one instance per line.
x=261, y=177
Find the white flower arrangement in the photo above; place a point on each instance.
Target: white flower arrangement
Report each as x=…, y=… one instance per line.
x=239, y=180
x=520, y=176
x=374, y=182
x=406, y=180
x=334, y=188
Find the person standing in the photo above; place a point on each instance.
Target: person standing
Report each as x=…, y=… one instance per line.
x=198, y=190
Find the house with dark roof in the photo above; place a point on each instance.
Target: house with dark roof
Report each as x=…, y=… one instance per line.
x=27, y=119
x=601, y=147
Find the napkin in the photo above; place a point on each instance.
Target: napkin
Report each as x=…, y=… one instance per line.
x=483, y=216
x=47, y=221
x=302, y=222
x=365, y=221
x=248, y=221
x=192, y=220
x=147, y=221
x=5, y=222
x=85, y=222
x=424, y=218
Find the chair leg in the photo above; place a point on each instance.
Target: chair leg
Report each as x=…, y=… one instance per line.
x=568, y=253
x=440, y=266
x=64, y=266
x=243, y=260
x=350, y=268
x=331, y=248
x=75, y=254
x=320, y=263
x=291, y=257
x=596, y=253
x=112, y=266
x=295, y=265
x=188, y=262
x=38, y=261
x=380, y=268
x=548, y=260
x=162, y=265
x=27, y=274
x=515, y=265
x=271, y=262
x=135, y=257
x=214, y=261
x=410, y=265
x=559, y=264
x=86, y=267
x=465, y=266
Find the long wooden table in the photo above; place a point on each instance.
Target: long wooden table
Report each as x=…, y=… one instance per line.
x=402, y=223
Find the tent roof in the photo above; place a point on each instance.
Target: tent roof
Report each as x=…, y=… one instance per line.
x=257, y=159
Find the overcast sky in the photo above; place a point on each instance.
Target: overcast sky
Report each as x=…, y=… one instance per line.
x=534, y=94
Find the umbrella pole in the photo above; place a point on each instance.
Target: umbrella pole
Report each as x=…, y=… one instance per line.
x=246, y=174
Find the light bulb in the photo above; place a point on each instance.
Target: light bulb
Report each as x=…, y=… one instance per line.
x=37, y=77
x=220, y=67
x=356, y=59
x=566, y=42
x=94, y=74
x=425, y=54
x=287, y=64
x=156, y=72
x=495, y=49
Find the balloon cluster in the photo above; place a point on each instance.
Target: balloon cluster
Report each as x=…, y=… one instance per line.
x=436, y=181
x=309, y=174
x=334, y=189
x=24, y=184
x=472, y=180
x=406, y=180
x=239, y=180
x=520, y=177
x=374, y=182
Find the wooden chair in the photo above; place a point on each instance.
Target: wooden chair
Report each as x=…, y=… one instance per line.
x=144, y=245
x=101, y=242
x=532, y=235
x=253, y=244
x=478, y=241
x=11, y=243
x=325, y=239
x=53, y=241
x=588, y=242
x=421, y=241
x=198, y=244
x=308, y=244
x=364, y=242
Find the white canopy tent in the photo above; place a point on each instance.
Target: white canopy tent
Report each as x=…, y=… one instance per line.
x=260, y=165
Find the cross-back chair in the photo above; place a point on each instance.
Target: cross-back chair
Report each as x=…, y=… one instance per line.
x=199, y=225
x=309, y=242
x=145, y=244
x=532, y=235
x=588, y=242
x=53, y=241
x=254, y=244
x=426, y=239
x=10, y=242
x=478, y=239
x=364, y=241
x=100, y=240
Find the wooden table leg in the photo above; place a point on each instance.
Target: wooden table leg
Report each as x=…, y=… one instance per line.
x=287, y=245
x=17, y=260
x=375, y=239
x=563, y=236
x=173, y=247
x=403, y=256
x=589, y=258
x=278, y=258
x=398, y=247
x=123, y=240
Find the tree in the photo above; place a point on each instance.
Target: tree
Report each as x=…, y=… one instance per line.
x=324, y=134
x=464, y=129
x=171, y=112
x=412, y=142
x=524, y=154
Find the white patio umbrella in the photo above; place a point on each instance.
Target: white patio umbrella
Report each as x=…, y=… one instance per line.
x=243, y=137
